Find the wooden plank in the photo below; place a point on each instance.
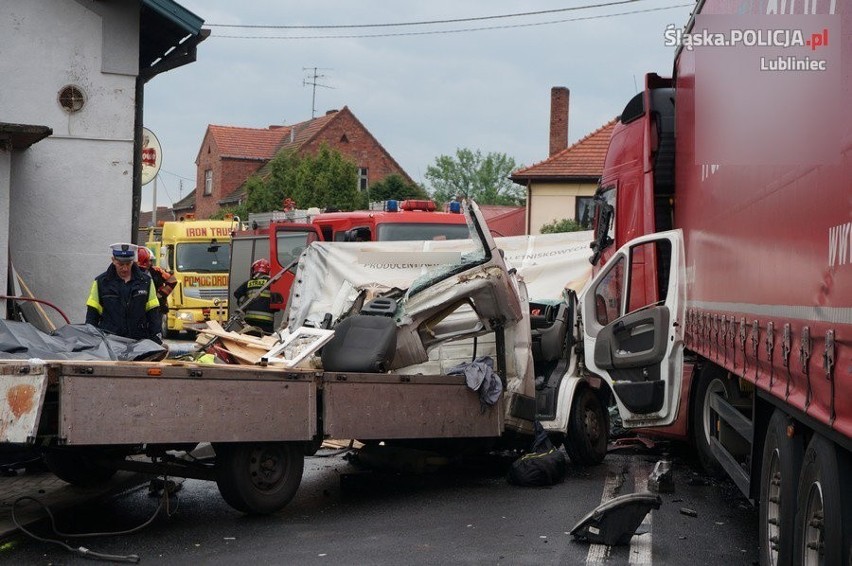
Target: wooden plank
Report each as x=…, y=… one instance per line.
x=126, y=410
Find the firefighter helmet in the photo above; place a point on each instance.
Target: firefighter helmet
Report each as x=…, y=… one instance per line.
x=261, y=266
x=143, y=257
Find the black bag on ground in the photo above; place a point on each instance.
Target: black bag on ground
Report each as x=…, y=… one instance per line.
x=539, y=468
x=544, y=465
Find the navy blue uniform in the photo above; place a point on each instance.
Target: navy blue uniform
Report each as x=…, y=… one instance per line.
x=128, y=309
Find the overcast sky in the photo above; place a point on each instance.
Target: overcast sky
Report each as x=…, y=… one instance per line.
x=420, y=94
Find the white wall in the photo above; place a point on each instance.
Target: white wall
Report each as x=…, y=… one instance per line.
x=70, y=194
x=5, y=171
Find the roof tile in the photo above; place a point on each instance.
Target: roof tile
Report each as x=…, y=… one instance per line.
x=583, y=159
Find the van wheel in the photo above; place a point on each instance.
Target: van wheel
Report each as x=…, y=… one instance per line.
x=779, y=475
x=588, y=429
x=823, y=524
x=259, y=478
x=78, y=467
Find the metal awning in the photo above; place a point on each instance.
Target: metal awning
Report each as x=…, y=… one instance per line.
x=21, y=136
x=168, y=37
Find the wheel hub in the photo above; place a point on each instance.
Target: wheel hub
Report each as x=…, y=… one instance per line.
x=773, y=508
x=813, y=550
x=266, y=468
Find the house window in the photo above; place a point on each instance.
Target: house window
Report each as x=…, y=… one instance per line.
x=362, y=179
x=208, y=182
x=585, y=213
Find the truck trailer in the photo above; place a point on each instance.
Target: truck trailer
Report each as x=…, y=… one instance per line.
x=760, y=375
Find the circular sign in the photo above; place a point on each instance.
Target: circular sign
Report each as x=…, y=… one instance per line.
x=152, y=156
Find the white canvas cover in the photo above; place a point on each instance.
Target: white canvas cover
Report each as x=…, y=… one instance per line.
x=331, y=274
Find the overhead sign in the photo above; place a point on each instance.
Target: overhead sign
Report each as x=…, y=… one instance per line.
x=152, y=156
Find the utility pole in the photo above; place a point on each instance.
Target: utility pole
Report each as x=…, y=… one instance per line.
x=312, y=80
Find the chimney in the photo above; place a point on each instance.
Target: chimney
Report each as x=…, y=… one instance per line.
x=558, y=119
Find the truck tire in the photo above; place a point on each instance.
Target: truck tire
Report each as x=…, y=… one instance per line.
x=823, y=526
x=259, y=478
x=77, y=467
x=712, y=379
x=588, y=429
x=779, y=478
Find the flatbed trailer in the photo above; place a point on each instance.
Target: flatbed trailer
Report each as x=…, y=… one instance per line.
x=93, y=418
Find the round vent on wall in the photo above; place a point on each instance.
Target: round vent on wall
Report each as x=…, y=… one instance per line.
x=71, y=99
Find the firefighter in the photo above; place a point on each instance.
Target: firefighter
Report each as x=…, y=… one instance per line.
x=256, y=305
x=164, y=282
x=123, y=299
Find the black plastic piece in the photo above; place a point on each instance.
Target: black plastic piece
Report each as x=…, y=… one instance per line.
x=381, y=306
x=361, y=344
x=641, y=397
x=616, y=521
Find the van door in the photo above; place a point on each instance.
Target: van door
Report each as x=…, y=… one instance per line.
x=639, y=352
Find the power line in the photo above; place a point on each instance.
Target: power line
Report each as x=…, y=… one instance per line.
x=463, y=30
x=425, y=22
x=176, y=175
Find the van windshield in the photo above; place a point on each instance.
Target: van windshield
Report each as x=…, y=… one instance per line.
x=203, y=257
x=407, y=231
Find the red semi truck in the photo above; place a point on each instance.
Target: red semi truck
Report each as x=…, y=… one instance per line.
x=753, y=357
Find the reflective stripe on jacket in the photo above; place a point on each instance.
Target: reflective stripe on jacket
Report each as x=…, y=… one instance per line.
x=128, y=309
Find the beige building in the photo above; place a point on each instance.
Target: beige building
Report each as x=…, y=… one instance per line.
x=563, y=185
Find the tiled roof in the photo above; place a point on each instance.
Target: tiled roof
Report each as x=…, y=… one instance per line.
x=248, y=143
x=163, y=213
x=186, y=203
x=584, y=159
x=296, y=136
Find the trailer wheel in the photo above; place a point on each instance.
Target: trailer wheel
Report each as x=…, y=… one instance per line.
x=823, y=526
x=712, y=380
x=77, y=467
x=588, y=429
x=259, y=478
x=779, y=475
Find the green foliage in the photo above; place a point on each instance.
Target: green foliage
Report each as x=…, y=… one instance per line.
x=471, y=175
x=326, y=179
x=394, y=187
x=238, y=211
x=564, y=225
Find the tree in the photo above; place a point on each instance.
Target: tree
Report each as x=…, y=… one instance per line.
x=394, y=187
x=471, y=175
x=564, y=225
x=326, y=179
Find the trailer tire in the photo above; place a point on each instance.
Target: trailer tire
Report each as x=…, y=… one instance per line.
x=259, y=478
x=823, y=526
x=779, y=478
x=77, y=467
x=588, y=429
x=711, y=379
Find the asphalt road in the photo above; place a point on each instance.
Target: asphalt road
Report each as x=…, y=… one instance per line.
x=462, y=515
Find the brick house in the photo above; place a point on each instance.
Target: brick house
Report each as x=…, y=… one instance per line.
x=563, y=185
x=230, y=155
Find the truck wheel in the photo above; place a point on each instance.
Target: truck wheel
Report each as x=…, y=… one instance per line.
x=77, y=467
x=259, y=478
x=823, y=524
x=779, y=475
x=712, y=380
x=588, y=429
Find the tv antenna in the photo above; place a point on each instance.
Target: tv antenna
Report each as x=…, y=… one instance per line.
x=311, y=79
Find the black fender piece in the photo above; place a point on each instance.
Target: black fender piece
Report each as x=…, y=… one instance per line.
x=615, y=521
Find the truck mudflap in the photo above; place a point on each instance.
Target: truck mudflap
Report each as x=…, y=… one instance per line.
x=22, y=392
x=144, y=403
x=392, y=406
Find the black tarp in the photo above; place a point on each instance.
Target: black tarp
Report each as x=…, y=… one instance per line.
x=23, y=341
